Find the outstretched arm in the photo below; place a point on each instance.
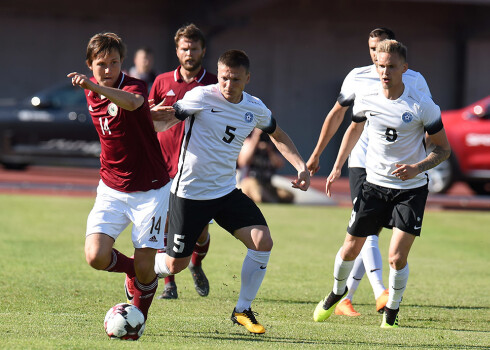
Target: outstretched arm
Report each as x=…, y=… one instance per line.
x=440, y=152
x=287, y=148
x=330, y=126
x=124, y=99
x=163, y=116
x=349, y=140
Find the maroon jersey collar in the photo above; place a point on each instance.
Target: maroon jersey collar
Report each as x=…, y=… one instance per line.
x=198, y=77
x=119, y=80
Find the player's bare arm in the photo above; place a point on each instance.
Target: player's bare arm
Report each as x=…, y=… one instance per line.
x=440, y=152
x=330, y=126
x=125, y=100
x=166, y=119
x=349, y=140
x=160, y=112
x=287, y=148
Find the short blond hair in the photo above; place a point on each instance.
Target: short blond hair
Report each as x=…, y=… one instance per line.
x=392, y=46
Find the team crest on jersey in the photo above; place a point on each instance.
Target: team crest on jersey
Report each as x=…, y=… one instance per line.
x=112, y=109
x=249, y=117
x=407, y=117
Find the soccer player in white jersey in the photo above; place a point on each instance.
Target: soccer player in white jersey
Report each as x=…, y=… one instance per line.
x=361, y=79
x=395, y=189
x=218, y=118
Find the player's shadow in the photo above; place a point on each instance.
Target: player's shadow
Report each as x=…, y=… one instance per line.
x=289, y=301
x=448, y=307
x=315, y=302
x=263, y=338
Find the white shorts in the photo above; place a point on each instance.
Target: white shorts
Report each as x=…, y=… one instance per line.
x=113, y=211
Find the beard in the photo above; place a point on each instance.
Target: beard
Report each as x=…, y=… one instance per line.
x=192, y=65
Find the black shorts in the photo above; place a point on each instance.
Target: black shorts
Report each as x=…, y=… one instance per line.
x=357, y=176
x=188, y=217
x=376, y=205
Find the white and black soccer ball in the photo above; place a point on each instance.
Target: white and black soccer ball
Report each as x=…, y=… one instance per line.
x=124, y=321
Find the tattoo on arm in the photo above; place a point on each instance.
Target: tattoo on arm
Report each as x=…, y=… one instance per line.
x=437, y=156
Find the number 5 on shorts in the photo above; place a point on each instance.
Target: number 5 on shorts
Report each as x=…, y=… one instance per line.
x=178, y=243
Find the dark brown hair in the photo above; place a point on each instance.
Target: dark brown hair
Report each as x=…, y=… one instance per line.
x=190, y=32
x=104, y=43
x=235, y=59
x=382, y=31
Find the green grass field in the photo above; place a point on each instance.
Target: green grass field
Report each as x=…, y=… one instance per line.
x=51, y=299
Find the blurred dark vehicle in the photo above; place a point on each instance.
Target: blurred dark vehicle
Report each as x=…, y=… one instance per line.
x=468, y=132
x=53, y=127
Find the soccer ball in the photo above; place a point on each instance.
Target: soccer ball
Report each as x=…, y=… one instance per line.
x=124, y=321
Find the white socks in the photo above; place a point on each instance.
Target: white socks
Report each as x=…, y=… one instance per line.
x=355, y=277
x=253, y=272
x=373, y=263
x=341, y=271
x=398, y=283
x=161, y=268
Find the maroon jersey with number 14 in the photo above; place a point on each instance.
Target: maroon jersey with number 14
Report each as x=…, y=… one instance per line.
x=130, y=159
x=171, y=87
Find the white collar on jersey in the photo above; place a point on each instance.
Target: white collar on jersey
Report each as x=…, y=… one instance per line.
x=176, y=75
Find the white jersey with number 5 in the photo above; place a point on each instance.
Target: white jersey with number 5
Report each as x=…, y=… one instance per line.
x=396, y=130
x=364, y=79
x=214, y=133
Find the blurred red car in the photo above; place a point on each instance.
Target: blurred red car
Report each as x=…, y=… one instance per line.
x=468, y=132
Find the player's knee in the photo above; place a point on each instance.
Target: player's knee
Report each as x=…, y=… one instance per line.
x=265, y=243
x=176, y=265
x=98, y=250
x=397, y=261
x=350, y=251
x=97, y=259
x=349, y=254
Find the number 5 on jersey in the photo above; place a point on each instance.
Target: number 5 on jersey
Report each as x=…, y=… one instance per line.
x=229, y=132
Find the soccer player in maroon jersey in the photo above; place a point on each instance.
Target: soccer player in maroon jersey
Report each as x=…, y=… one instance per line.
x=168, y=88
x=134, y=185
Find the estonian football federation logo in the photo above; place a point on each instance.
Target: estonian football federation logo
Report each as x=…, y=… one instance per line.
x=407, y=117
x=249, y=117
x=112, y=109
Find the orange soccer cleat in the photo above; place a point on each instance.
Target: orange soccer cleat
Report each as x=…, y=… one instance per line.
x=382, y=300
x=345, y=308
x=248, y=320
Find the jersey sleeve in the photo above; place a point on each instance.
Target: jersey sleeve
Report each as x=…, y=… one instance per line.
x=137, y=87
x=191, y=103
x=431, y=117
x=358, y=111
x=271, y=127
x=347, y=91
x=265, y=121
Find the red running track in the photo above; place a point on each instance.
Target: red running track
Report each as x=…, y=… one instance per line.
x=38, y=180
